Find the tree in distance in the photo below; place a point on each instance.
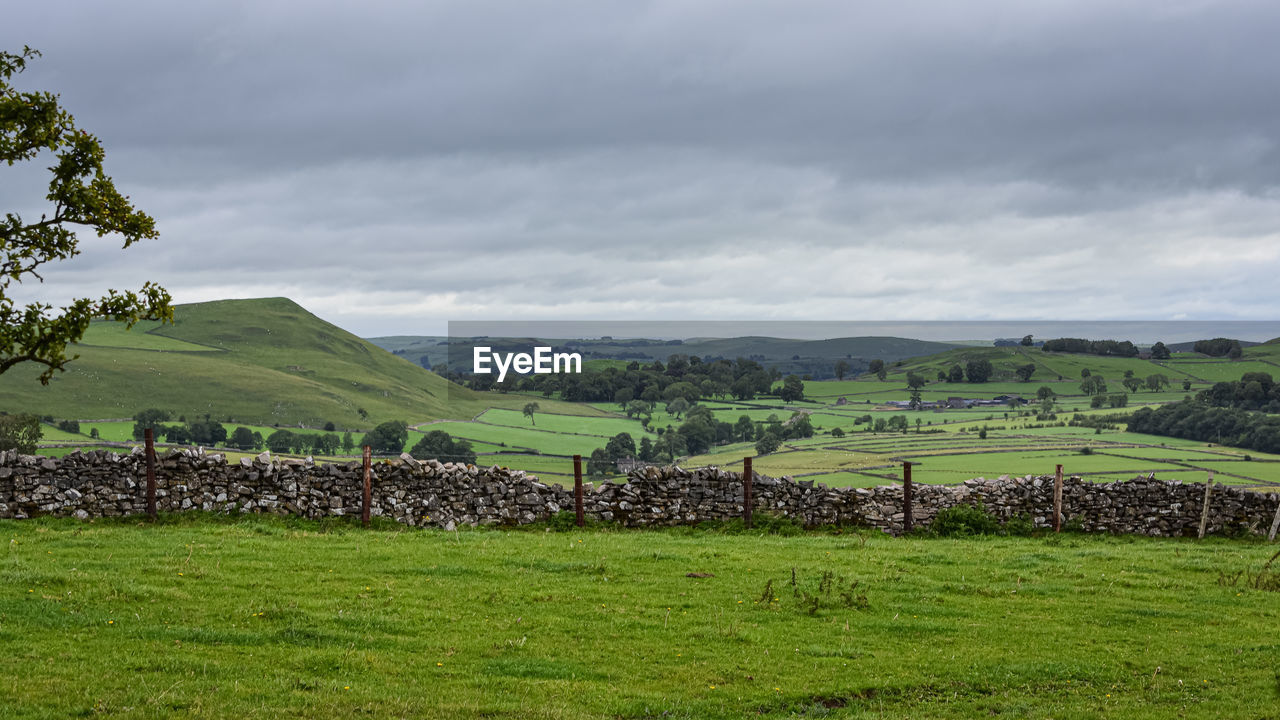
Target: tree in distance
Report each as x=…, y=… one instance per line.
x=1159, y=352
x=242, y=438
x=678, y=406
x=978, y=371
x=150, y=418
x=792, y=389
x=529, y=410
x=82, y=194
x=877, y=368
x=388, y=438
x=768, y=443
x=842, y=368
x=441, y=446
x=1024, y=372
x=281, y=441
x=639, y=408
x=1027, y=341
x=1094, y=385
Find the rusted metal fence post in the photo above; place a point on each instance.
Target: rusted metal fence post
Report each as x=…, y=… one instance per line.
x=577, y=490
x=1204, y=512
x=908, y=521
x=150, y=438
x=747, y=477
x=1057, y=500
x=368, y=487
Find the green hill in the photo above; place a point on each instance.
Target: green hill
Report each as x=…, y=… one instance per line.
x=262, y=361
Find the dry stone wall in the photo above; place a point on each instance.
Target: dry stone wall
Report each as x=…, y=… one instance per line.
x=429, y=493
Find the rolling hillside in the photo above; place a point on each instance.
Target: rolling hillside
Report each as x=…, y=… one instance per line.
x=267, y=361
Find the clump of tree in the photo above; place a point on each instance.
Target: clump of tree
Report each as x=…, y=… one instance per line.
x=388, y=438
x=1160, y=352
x=1093, y=385
x=1195, y=420
x=978, y=371
x=243, y=438
x=792, y=389
x=149, y=419
x=1253, y=391
x=604, y=461
x=441, y=446
x=1118, y=348
x=1219, y=347
x=877, y=368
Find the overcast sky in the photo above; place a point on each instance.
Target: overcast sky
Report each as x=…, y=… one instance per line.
x=394, y=166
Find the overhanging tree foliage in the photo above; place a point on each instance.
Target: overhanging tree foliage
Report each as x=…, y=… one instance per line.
x=32, y=123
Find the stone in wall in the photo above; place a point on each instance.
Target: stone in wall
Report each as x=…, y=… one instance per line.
x=429, y=493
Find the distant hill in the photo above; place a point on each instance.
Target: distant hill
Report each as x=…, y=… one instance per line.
x=813, y=357
x=262, y=361
x=1190, y=346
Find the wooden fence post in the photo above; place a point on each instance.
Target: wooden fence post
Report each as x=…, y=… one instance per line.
x=1204, y=512
x=1057, y=500
x=1275, y=525
x=368, y=487
x=577, y=489
x=149, y=436
x=908, y=521
x=747, y=500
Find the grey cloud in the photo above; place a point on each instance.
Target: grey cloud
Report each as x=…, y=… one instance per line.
x=396, y=165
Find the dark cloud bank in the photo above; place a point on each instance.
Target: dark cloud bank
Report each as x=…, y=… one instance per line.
x=394, y=167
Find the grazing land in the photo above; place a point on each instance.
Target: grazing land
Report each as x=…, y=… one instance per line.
x=260, y=617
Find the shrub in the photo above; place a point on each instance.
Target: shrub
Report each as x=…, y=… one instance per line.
x=19, y=432
x=963, y=521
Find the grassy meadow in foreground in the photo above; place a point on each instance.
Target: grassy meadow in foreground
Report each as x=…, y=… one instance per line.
x=199, y=617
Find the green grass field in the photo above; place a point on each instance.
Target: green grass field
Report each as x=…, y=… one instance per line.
x=262, y=618
x=142, y=336
x=1221, y=370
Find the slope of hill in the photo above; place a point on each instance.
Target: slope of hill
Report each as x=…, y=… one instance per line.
x=264, y=360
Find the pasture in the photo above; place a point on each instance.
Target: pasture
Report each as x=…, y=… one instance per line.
x=256, y=617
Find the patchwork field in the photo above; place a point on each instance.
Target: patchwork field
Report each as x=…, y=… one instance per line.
x=263, y=618
x=947, y=445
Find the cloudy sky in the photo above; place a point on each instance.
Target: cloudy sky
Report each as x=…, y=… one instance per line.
x=396, y=166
